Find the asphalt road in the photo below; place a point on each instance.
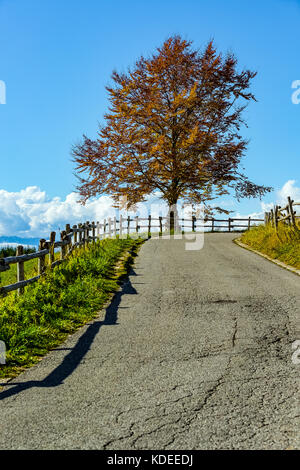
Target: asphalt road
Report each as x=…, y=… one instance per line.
x=195, y=352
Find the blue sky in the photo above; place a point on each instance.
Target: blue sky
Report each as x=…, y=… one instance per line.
x=57, y=57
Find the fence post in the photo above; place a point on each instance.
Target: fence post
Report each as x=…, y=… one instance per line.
x=93, y=232
x=193, y=223
x=229, y=224
x=51, y=248
x=288, y=214
x=83, y=235
x=291, y=210
x=212, y=224
x=69, y=246
x=160, y=225
x=74, y=235
x=149, y=226
x=63, y=248
x=80, y=234
x=20, y=268
x=249, y=223
x=41, y=259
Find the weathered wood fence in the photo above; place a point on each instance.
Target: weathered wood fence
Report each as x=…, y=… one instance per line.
x=70, y=239
x=285, y=214
x=83, y=234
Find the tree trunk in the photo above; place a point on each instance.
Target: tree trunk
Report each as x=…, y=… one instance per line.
x=172, y=225
x=172, y=219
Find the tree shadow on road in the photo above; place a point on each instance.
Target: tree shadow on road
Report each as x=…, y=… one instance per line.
x=73, y=359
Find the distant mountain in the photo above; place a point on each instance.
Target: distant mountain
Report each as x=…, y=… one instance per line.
x=19, y=241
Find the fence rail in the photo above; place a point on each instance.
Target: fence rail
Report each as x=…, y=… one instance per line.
x=85, y=233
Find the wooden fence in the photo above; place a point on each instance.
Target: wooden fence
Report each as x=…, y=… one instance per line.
x=285, y=214
x=83, y=234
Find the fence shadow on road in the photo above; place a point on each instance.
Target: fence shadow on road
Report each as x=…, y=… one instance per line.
x=73, y=359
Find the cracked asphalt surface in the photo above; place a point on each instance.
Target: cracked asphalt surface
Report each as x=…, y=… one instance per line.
x=195, y=352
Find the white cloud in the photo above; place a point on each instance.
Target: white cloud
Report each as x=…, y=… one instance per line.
x=30, y=213
x=288, y=189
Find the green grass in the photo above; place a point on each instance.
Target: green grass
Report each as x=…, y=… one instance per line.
x=10, y=277
x=30, y=270
x=64, y=299
x=283, y=245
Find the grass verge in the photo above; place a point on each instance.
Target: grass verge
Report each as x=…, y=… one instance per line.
x=30, y=270
x=63, y=300
x=283, y=245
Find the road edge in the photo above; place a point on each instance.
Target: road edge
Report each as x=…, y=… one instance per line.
x=238, y=242
x=121, y=273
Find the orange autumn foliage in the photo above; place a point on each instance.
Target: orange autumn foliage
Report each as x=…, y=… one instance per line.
x=173, y=126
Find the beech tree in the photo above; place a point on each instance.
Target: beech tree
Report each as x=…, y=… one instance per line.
x=173, y=126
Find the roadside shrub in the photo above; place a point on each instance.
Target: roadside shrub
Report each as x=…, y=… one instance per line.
x=283, y=244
